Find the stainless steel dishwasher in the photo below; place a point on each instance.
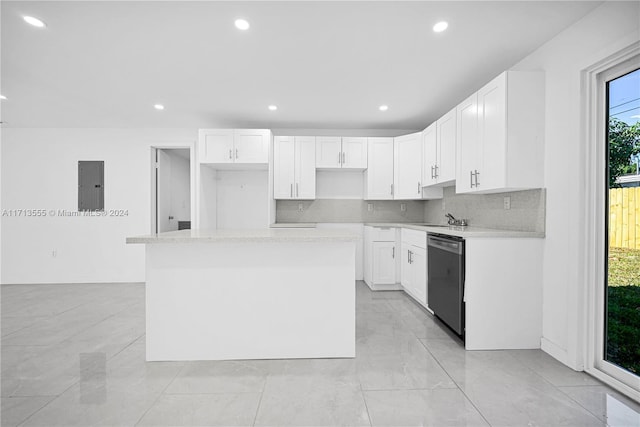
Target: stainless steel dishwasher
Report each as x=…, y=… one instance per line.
x=445, y=256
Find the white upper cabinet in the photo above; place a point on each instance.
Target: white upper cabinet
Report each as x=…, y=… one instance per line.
x=445, y=170
x=501, y=134
x=239, y=146
x=379, y=174
x=407, y=166
x=354, y=153
x=439, y=151
x=294, y=167
x=334, y=152
x=215, y=145
x=430, y=155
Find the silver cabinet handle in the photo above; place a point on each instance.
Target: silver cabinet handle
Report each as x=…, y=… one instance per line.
x=230, y=154
x=418, y=187
x=477, y=183
x=297, y=194
x=432, y=173
x=291, y=190
x=435, y=167
x=393, y=252
x=339, y=158
x=344, y=158
x=471, y=178
x=392, y=189
x=236, y=153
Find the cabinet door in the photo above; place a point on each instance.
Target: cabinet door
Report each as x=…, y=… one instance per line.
x=467, y=144
x=328, y=152
x=251, y=145
x=406, y=273
x=407, y=166
x=354, y=153
x=429, y=155
x=384, y=263
x=492, y=128
x=379, y=174
x=215, y=146
x=283, y=167
x=419, y=270
x=446, y=170
x=305, y=179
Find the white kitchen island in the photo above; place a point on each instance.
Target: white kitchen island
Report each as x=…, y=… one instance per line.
x=249, y=294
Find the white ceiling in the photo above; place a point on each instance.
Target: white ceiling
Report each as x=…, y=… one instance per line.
x=324, y=64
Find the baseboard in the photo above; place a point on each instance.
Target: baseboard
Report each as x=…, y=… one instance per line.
x=554, y=351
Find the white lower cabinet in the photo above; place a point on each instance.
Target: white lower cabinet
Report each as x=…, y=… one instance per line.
x=413, y=276
x=380, y=258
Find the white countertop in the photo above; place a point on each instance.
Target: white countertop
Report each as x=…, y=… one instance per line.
x=266, y=235
x=466, y=232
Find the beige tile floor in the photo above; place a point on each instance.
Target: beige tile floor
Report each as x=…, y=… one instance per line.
x=74, y=355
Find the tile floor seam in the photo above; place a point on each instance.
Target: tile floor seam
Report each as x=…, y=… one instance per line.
x=48, y=403
x=456, y=383
x=581, y=405
x=366, y=406
x=255, y=417
x=157, y=397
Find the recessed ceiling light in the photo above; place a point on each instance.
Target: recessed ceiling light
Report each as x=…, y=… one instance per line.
x=34, y=21
x=242, y=24
x=3, y=97
x=159, y=107
x=440, y=26
x=273, y=107
x=383, y=107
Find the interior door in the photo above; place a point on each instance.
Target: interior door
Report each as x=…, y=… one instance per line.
x=163, y=188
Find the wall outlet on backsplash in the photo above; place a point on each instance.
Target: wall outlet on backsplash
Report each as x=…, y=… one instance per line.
x=507, y=202
x=370, y=207
x=403, y=207
x=300, y=207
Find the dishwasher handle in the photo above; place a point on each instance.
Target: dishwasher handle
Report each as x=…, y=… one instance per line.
x=449, y=245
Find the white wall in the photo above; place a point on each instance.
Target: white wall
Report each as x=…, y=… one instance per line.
x=242, y=199
x=39, y=171
x=606, y=30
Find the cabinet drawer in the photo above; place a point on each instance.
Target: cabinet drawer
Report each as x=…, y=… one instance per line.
x=414, y=237
x=383, y=234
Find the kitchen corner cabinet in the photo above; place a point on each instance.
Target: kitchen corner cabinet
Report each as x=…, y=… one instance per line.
x=439, y=151
x=380, y=258
x=234, y=146
x=500, y=135
x=413, y=261
x=378, y=177
x=341, y=152
x=407, y=167
x=294, y=167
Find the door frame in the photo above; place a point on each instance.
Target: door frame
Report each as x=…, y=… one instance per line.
x=152, y=178
x=594, y=221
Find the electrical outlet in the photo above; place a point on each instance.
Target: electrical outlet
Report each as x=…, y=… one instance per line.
x=370, y=207
x=300, y=207
x=403, y=207
x=507, y=202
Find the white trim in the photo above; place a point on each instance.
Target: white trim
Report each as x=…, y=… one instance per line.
x=592, y=219
x=554, y=351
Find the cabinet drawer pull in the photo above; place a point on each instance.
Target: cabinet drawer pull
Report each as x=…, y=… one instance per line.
x=230, y=155
x=297, y=194
x=471, y=178
x=236, y=154
x=393, y=252
x=418, y=187
x=339, y=158
x=344, y=158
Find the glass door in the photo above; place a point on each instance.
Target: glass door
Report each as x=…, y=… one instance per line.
x=621, y=340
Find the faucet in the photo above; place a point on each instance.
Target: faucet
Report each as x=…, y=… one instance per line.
x=452, y=220
x=457, y=222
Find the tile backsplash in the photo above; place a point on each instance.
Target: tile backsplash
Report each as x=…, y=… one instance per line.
x=349, y=210
x=527, y=212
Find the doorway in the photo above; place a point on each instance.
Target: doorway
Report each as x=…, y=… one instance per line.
x=171, y=189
